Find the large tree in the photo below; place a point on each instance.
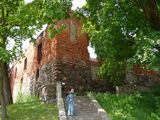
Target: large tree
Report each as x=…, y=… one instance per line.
x=123, y=32
x=18, y=22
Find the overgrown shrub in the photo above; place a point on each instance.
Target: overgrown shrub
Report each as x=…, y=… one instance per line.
x=136, y=106
x=21, y=98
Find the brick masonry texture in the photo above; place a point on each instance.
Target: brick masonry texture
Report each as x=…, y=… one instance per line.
x=64, y=58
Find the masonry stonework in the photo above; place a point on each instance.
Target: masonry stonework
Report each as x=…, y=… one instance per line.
x=64, y=58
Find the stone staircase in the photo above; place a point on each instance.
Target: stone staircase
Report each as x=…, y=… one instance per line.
x=85, y=109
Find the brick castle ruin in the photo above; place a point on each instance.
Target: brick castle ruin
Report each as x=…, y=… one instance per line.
x=65, y=59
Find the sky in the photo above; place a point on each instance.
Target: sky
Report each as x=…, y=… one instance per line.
x=76, y=3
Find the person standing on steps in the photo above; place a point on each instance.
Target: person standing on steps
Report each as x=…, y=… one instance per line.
x=70, y=103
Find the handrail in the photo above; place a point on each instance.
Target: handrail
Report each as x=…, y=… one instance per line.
x=60, y=103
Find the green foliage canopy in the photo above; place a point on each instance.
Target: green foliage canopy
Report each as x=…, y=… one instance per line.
x=123, y=32
x=19, y=21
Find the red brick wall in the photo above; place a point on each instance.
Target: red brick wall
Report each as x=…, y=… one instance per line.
x=139, y=70
x=73, y=50
x=61, y=47
x=18, y=72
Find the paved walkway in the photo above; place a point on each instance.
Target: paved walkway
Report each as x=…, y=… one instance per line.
x=85, y=109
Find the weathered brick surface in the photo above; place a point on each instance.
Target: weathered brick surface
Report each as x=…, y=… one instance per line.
x=64, y=58
x=19, y=77
x=140, y=79
x=146, y=77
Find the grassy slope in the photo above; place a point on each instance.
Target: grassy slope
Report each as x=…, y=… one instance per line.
x=32, y=110
x=137, y=106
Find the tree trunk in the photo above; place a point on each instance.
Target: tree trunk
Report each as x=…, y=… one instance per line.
x=6, y=86
x=3, y=67
x=151, y=12
x=154, y=16
x=3, y=105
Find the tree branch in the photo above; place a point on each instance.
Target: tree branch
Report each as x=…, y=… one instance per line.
x=151, y=12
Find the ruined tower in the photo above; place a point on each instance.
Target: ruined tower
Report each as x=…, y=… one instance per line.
x=64, y=58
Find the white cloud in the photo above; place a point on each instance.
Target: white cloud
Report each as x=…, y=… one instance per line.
x=92, y=52
x=28, y=1
x=78, y=3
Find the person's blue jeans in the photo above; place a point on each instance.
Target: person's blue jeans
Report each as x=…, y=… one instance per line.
x=70, y=108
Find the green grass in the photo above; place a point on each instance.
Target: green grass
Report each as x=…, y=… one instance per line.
x=136, y=106
x=32, y=109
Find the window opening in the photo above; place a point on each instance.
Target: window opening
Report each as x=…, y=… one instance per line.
x=39, y=53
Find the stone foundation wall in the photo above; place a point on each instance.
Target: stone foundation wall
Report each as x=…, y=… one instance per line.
x=131, y=89
x=102, y=86
x=142, y=79
x=74, y=74
x=139, y=81
x=148, y=80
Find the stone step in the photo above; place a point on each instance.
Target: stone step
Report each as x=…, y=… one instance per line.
x=86, y=114
x=84, y=109
x=83, y=102
x=82, y=98
x=85, y=118
x=83, y=106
